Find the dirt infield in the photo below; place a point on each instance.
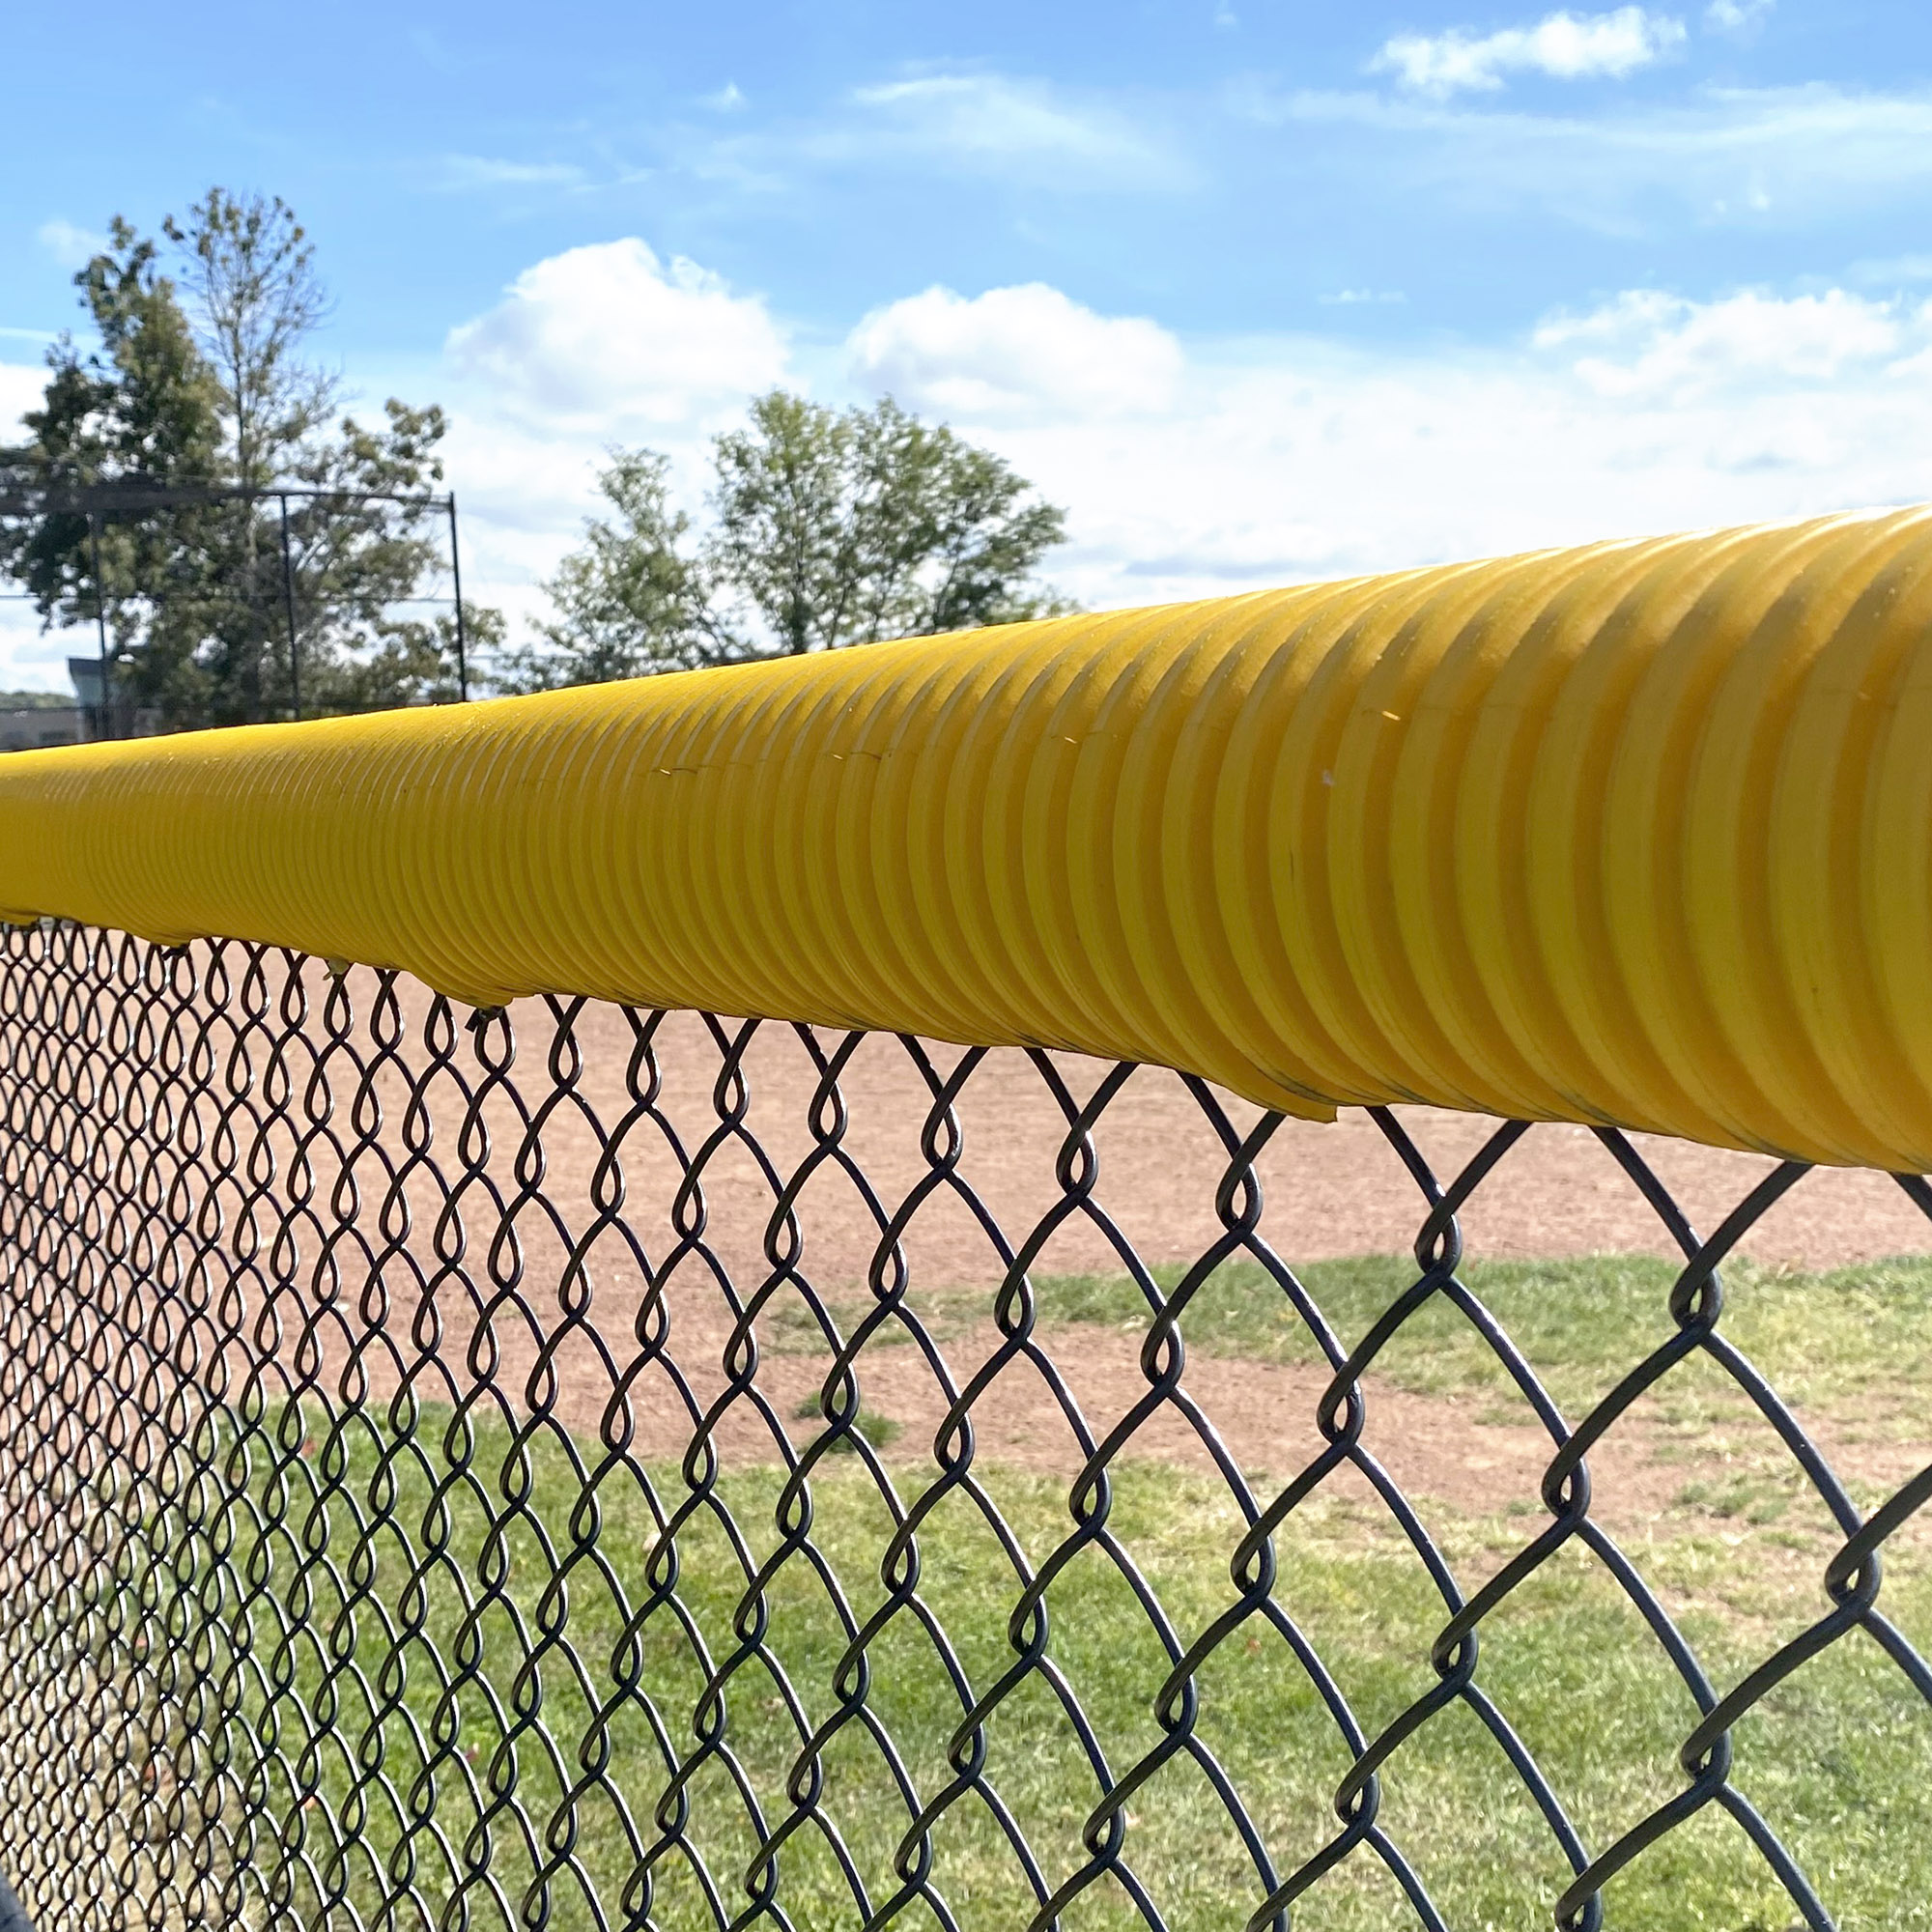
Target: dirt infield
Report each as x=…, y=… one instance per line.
x=1332, y=1189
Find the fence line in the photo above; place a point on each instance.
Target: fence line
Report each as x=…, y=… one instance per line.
x=484, y=1443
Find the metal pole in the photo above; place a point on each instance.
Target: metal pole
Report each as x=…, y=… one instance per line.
x=289, y=605
x=462, y=644
x=101, y=630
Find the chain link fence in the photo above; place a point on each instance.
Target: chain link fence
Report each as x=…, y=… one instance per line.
x=619, y=1468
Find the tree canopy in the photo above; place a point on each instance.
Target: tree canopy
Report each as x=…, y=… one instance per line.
x=829, y=527
x=202, y=376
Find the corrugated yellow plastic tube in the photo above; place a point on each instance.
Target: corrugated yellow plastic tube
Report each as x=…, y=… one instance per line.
x=1639, y=832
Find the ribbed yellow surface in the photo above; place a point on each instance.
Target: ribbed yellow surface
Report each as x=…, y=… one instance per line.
x=1639, y=832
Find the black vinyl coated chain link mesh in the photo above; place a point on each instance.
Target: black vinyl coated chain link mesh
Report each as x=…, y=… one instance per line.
x=458, y=1477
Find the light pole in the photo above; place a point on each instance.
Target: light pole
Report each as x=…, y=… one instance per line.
x=289, y=606
x=101, y=630
x=456, y=584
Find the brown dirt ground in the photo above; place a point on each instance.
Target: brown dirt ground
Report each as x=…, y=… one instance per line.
x=1330, y=1190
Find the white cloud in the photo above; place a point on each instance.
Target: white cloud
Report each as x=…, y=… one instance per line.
x=1565, y=47
x=33, y=660
x=1011, y=353
x=1737, y=17
x=1296, y=458
x=71, y=247
x=21, y=387
x=994, y=123
x=608, y=341
x=728, y=100
x=1650, y=345
x=1205, y=467
x=481, y=171
x=599, y=346
x=1194, y=469
x=30, y=660
x=1813, y=153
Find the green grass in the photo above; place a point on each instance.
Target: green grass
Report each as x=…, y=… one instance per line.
x=371, y=1668
x=1581, y=1321
x=880, y=1431
x=355, y=1654
x=1856, y=1342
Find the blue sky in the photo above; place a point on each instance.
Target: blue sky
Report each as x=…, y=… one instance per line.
x=1259, y=291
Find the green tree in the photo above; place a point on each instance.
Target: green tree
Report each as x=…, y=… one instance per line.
x=248, y=272
x=829, y=529
x=142, y=406
x=632, y=600
x=845, y=527
x=202, y=379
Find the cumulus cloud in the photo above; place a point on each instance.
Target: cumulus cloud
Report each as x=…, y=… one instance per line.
x=1027, y=353
x=608, y=340
x=28, y=659
x=1737, y=17
x=599, y=346
x=1565, y=47
x=1192, y=467
x=21, y=387
x=1648, y=344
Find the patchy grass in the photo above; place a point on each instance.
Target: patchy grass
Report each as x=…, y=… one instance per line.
x=1856, y=1338
x=880, y=1431
x=1857, y=1341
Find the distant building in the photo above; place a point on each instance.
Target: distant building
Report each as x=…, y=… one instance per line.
x=27, y=731
x=30, y=720
x=120, y=720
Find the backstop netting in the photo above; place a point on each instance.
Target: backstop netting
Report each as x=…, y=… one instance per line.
x=738, y=1301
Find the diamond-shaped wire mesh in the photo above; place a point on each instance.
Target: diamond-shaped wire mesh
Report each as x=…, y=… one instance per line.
x=641, y=1469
